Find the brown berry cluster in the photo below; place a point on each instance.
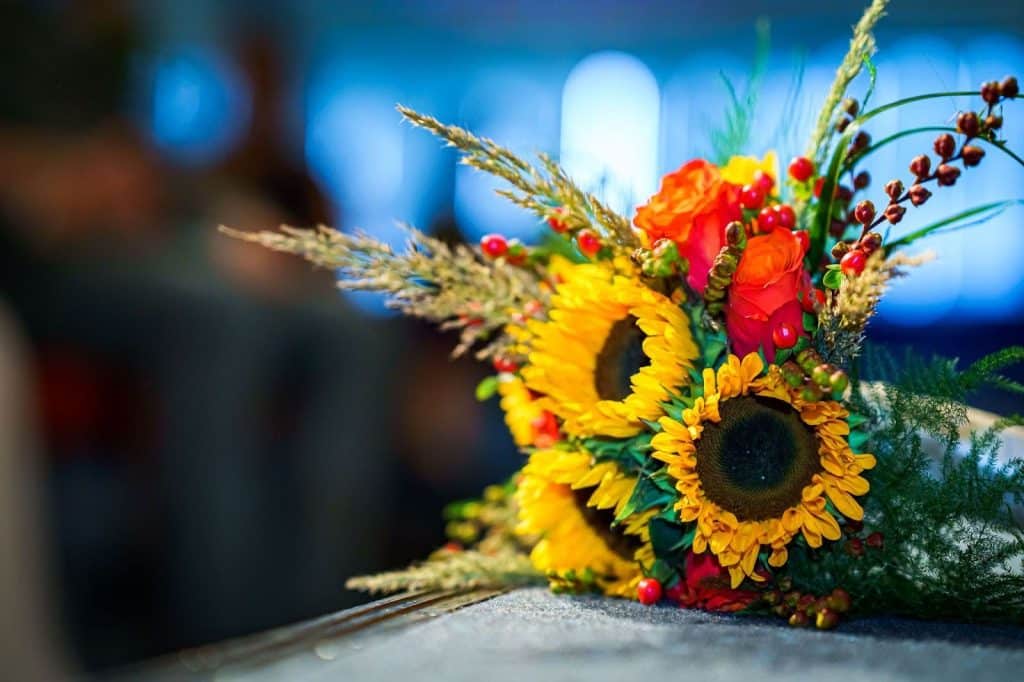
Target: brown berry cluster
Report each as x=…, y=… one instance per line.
x=852, y=255
x=661, y=260
x=815, y=378
x=855, y=544
x=804, y=609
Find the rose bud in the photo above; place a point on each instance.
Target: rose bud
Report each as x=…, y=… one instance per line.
x=967, y=123
x=990, y=92
x=919, y=194
x=993, y=122
x=865, y=212
x=1008, y=87
x=862, y=180
x=894, y=188
x=945, y=145
x=947, y=175
x=972, y=155
x=894, y=213
x=921, y=166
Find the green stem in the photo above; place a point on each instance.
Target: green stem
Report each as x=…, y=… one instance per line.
x=930, y=129
x=982, y=212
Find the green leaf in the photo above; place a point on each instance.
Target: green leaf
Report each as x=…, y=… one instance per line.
x=858, y=439
x=832, y=279
x=783, y=354
x=670, y=539
x=713, y=349
x=662, y=572
x=487, y=388
x=872, y=76
x=979, y=214
x=810, y=322
x=646, y=495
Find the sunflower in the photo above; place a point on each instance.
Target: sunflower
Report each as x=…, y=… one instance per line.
x=522, y=409
x=569, y=503
x=608, y=353
x=754, y=465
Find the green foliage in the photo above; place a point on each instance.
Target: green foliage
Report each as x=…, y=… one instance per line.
x=733, y=137
x=951, y=542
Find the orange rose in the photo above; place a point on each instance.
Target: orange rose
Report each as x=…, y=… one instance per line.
x=692, y=209
x=764, y=292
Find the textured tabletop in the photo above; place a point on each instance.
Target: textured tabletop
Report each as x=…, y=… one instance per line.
x=534, y=635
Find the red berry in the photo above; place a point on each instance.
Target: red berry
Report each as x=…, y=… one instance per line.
x=751, y=196
x=812, y=300
x=545, y=430
x=588, y=242
x=504, y=365
x=648, y=591
x=764, y=182
x=801, y=169
x=767, y=219
x=875, y=541
x=516, y=254
x=784, y=335
x=804, y=238
x=853, y=262
x=555, y=220
x=494, y=245
x=865, y=212
x=787, y=216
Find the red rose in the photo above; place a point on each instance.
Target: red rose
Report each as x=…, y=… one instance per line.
x=764, y=292
x=692, y=209
x=706, y=585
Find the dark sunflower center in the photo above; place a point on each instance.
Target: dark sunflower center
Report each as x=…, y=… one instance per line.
x=600, y=521
x=756, y=461
x=620, y=358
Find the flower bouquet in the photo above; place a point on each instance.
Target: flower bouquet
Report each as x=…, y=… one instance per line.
x=686, y=386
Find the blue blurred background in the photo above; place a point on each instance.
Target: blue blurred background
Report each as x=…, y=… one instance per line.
x=222, y=437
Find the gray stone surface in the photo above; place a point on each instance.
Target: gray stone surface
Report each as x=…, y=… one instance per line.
x=532, y=635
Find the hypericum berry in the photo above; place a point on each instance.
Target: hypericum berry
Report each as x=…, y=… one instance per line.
x=920, y=166
x=588, y=242
x=967, y=123
x=840, y=250
x=555, y=220
x=751, y=196
x=993, y=122
x=1009, y=88
x=818, y=185
x=545, y=430
x=839, y=601
x=648, y=591
x=946, y=175
x=875, y=541
x=801, y=169
x=826, y=619
x=853, y=263
x=853, y=526
x=799, y=619
x=504, y=365
x=767, y=219
x=945, y=146
x=814, y=299
x=972, y=155
x=804, y=238
x=843, y=123
x=860, y=142
x=850, y=106
x=990, y=92
x=517, y=253
x=837, y=228
x=893, y=189
x=865, y=212
x=494, y=245
x=894, y=213
x=862, y=180
x=784, y=335
x=871, y=242
x=844, y=193
x=919, y=194
x=855, y=547
x=764, y=182
x=838, y=381
x=786, y=215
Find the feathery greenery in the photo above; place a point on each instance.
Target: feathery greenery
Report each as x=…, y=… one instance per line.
x=548, y=194
x=952, y=546
x=452, y=286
